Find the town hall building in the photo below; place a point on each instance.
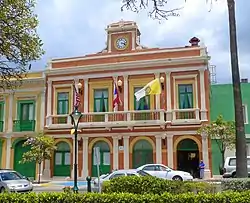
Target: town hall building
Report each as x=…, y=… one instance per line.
x=156, y=129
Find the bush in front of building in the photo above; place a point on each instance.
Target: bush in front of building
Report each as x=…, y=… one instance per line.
x=235, y=184
x=153, y=185
x=123, y=197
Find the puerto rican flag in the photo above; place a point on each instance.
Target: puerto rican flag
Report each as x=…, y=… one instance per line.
x=116, y=100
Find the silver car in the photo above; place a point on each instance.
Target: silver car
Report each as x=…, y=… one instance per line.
x=119, y=173
x=229, y=170
x=12, y=181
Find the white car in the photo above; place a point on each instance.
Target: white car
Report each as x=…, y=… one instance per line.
x=162, y=171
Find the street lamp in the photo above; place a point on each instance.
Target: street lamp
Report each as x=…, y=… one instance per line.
x=75, y=117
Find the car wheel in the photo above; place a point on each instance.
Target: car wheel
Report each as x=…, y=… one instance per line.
x=234, y=175
x=177, y=178
x=2, y=190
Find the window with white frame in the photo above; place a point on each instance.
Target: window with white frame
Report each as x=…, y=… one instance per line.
x=245, y=115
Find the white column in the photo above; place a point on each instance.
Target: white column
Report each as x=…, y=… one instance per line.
x=157, y=97
x=168, y=97
x=46, y=171
x=125, y=102
x=73, y=161
x=8, y=152
x=170, y=150
x=205, y=156
x=49, y=102
x=126, y=152
x=10, y=119
x=85, y=153
x=86, y=96
x=203, y=96
x=115, y=153
x=158, y=150
x=42, y=110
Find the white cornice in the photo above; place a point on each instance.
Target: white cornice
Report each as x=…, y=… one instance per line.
x=35, y=89
x=129, y=65
x=137, y=72
x=88, y=57
x=108, y=134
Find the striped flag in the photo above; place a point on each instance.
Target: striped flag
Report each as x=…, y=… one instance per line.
x=77, y=98
x=116, y=100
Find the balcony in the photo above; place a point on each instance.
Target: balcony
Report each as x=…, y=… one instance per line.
x=186, y=116
x=110, y=119
x=127, y=119
x=1, y=126
x=26, y=125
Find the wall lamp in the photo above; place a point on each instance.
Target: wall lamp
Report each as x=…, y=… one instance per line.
x=119, y=84
x=79, y=86
x=162, y=82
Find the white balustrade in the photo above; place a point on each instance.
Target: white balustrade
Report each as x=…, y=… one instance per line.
x=126, y=118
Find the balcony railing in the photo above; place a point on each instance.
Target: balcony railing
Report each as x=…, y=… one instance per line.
x=1, y=126
x=24, y=125
x=110, y=119
x=181, y=116
x=127, y=119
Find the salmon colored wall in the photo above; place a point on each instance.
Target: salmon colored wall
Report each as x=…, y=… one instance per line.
x=117, y=59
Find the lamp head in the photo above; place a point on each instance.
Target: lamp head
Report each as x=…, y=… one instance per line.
x=162, y=79
x=79, y=85
x=75, y=116
x=119, y=83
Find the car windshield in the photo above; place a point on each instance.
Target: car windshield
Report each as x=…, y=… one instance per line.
x=10, y=176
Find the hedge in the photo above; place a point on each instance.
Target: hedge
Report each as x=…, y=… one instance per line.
x=240, y=184
x=149, y=184
x=226, y=197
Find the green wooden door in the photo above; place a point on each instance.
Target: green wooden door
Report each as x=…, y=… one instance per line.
x=142, y=153
x=104, y=159
x=62, y=106
x=62, y=160
x=27, y=169
x=100, y=103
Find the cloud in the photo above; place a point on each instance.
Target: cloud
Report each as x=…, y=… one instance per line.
x=77, y=27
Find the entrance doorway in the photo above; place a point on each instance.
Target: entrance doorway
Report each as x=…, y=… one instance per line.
x=104, y=162
x=27, y=169
x=62, y=160
x=142, y=153
x=188, y=157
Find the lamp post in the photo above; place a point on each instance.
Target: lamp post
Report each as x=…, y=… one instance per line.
x=75, y=117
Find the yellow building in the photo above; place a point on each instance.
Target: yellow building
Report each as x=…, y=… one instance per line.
x=21, y=114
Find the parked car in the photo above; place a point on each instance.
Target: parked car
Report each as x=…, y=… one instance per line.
x=119, y=173
x=229, y=170
x=12, y=181
x=162, y=171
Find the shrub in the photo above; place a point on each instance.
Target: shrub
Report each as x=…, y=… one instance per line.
x=239, y=184
x=149, y=184
x=232, y=197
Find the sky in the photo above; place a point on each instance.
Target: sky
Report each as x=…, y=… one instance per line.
x=71, y=28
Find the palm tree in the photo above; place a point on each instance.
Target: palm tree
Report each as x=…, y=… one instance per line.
x=159, y=12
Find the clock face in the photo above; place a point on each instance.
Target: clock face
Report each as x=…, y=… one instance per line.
x=121, y=43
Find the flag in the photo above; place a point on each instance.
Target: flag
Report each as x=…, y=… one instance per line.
x=77, y=98
x=116, y=100
x=152, y=88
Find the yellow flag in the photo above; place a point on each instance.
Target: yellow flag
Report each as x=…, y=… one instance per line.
x=72, y=131
x=154, y=87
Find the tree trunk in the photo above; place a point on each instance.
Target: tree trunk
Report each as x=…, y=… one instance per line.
x=241, y=156
x=39, y=173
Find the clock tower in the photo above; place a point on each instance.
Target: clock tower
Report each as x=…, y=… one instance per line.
x=122, y=36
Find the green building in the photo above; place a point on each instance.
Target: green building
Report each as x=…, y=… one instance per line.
x=221, y=102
